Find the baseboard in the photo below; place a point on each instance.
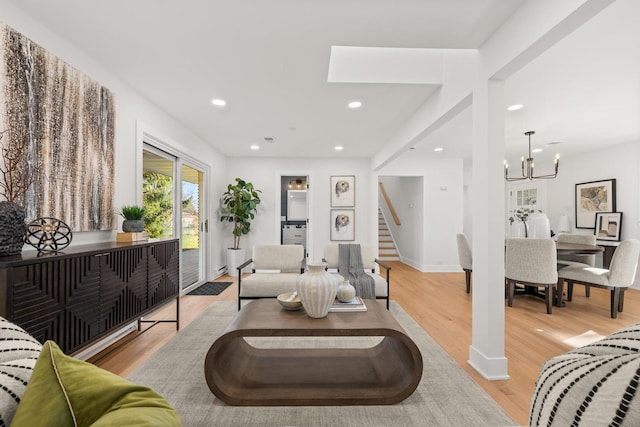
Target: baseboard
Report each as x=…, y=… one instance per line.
x=491, y=368
x=106, y=342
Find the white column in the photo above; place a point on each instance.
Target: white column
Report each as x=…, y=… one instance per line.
x=486, y=353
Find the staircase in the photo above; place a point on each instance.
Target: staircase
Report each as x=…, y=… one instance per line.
x=386, y=248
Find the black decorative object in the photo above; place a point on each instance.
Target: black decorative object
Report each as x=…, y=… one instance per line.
x=48, y=234
x=12, y=228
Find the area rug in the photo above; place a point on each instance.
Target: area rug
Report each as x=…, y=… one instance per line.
x=210, y=288
x=446, y=396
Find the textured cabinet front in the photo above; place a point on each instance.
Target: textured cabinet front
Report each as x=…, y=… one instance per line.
x=77, y=298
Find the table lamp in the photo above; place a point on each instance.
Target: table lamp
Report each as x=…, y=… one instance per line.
x=564, y=225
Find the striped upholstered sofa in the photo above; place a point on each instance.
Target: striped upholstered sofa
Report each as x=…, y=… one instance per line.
x=593, y=385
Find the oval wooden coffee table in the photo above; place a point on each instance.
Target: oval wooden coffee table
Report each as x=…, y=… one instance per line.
x=241, y=374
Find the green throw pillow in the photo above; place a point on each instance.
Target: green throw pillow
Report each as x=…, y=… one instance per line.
x=64, y=391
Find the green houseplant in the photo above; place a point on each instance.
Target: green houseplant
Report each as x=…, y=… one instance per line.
x=133, y=218
x=240, y=203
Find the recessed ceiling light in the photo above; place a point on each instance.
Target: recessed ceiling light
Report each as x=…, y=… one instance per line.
x=269, y=139
x=514, y=107
x=338, y=148
x=255, y=147
x=438, y=149
x=412, y=148
x=355, y=104
x=219, y=102
x=549, y=144
x=537, y=150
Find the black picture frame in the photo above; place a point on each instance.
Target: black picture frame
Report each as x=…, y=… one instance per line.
x=608, y=226
x=592, y=197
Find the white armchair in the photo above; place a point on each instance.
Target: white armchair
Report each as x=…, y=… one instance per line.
x=616, y=279
x=275, y=270
x=531, y=263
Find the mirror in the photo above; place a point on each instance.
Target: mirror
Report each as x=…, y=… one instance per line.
x=296, y=205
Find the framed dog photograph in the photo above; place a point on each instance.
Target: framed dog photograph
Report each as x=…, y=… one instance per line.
x=343, y=191
x=342, y=224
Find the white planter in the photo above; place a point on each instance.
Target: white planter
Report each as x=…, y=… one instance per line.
x=539, y=227
x=317, y=290
x=235, y=257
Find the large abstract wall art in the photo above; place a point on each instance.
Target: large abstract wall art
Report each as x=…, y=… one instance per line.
x=57, y=137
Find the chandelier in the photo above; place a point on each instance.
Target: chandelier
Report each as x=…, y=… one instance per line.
x=527, y=169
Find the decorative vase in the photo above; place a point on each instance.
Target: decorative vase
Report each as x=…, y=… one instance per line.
x=539, y=225
x=12, y=228
x=133, y=225
x=317, y=290
x=345, y=292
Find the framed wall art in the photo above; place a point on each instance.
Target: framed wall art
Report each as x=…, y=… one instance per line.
x=342, y=224
x=343, y=191
x=608, y=226
x=593, y=197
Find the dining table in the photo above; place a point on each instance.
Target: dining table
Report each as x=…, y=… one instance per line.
x=564, y=248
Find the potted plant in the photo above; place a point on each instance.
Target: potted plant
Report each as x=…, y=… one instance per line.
x=133, y=218
x=240, y=203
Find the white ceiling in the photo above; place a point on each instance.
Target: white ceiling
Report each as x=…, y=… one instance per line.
x=269, y=60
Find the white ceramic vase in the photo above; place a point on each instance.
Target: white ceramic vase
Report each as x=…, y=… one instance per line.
x=345, y=292
x=539, y=227
x=317, y=290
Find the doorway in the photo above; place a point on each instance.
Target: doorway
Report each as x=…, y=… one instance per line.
x=294, y=210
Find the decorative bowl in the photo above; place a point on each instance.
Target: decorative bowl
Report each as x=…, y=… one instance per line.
x=288, y=303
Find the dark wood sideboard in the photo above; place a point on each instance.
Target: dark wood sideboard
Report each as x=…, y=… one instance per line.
x=86, y=292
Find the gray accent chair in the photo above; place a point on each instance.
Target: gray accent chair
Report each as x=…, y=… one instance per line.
x=464, y=257
x=275, y=270
x=616, y=279
x=369, y=261
x=531, y=263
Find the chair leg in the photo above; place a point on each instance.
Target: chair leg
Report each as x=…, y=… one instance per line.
x=510, y=292
x=467, y=278
x=621, y=302
x=615, y=300
x=549, y=296
x=569, y=290
x=587, y=290
x=559, y=291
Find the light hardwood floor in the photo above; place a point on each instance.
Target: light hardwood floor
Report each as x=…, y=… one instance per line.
x=438, y=302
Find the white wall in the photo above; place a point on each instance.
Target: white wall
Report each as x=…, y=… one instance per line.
x=265, y=174
x=131, y=108
x=443, y=207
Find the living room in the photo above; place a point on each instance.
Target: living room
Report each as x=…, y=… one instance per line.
x=453, y=196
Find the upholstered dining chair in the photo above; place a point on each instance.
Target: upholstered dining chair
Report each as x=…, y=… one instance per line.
x=531, y=263
x=464, y=257
x=577, y=260
x=616, y=279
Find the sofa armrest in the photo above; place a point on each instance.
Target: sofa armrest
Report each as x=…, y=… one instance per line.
x=240, y=267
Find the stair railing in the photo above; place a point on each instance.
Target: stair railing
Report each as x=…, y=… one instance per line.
x=389, y=204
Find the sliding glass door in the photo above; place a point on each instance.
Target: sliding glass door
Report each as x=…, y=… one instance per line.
x=192, y=225
x=173, y=197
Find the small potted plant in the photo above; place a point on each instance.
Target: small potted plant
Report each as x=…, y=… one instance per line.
x=133, y=218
